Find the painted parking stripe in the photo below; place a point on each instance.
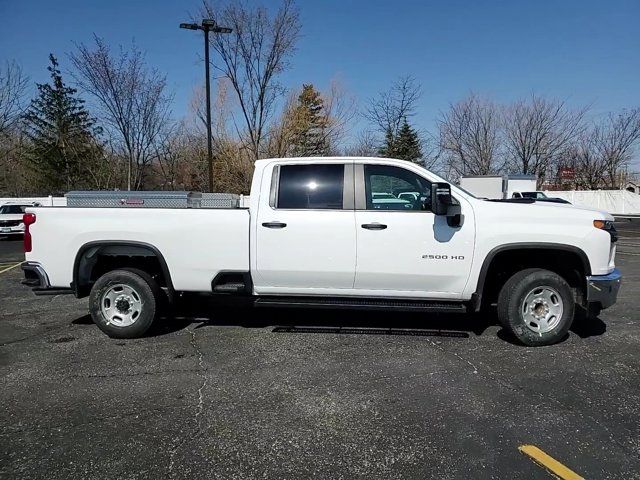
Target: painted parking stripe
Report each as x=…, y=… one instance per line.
x=9, y=268
x=549, y=463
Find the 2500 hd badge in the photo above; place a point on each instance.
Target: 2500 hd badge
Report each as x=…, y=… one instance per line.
x=443, y=257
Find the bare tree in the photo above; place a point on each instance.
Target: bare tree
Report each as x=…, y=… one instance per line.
x=607, y=149
x=13, y=87
x=589, y=167
x=539, y=133
x=132, y=101
x=13, y=167
x=281, y=131
x=253, y=56
x=431, y=151
x=470, y=137
x=388, y=110
x=616, y=138
x=340, y=110
x=365, y=145
x=232, y=161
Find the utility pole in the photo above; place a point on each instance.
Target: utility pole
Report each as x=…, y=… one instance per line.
x=207, y=26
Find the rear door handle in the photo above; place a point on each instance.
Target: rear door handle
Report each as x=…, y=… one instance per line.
x=374, y=226
x=274, y=224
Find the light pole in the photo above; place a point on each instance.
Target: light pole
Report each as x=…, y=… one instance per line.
x=207, y=26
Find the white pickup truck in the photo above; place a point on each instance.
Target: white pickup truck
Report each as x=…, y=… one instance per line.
x=327, y=232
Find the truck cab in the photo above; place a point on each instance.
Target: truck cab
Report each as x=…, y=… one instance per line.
x=338, y=228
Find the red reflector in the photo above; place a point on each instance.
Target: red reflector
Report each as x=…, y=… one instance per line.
x=28, y=219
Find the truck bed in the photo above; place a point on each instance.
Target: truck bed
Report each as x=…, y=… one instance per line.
x=196, y=243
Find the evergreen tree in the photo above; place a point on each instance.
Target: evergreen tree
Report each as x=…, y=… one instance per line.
x=408, y=144
x=310, y=122
x=61, y=134
x=405, y=145
x=388, y=148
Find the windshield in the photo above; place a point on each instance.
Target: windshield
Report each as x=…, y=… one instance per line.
x=12, y=209
x=533, y=195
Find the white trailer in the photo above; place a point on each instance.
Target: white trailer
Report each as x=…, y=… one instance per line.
x=484, y=186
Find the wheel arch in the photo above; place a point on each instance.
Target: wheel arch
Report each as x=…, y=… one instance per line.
x=547, y=249
x=89, y=253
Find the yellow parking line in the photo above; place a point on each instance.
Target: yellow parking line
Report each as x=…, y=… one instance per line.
x=7, y=269
x=549, y=463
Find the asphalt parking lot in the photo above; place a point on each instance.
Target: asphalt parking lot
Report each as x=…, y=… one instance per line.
x=304, y=394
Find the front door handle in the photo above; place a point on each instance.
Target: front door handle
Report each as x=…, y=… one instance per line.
x=374, y=226
x=274, y=224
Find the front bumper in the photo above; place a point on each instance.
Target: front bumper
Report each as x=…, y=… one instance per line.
x=11, y=230
x=603, y=289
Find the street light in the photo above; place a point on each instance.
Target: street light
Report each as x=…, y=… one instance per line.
x=207, y=26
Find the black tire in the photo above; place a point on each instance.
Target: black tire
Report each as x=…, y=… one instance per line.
x=164, y=305
x=145, y=287
x=162, y=300
x=511, y=306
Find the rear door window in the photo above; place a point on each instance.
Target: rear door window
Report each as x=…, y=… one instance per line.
x=317, y=186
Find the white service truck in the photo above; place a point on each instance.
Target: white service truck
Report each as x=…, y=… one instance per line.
x=334, y=232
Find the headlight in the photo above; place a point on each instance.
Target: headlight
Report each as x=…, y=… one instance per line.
x=603, y=224
x=607, y=226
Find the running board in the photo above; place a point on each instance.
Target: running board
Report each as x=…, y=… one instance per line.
x=361, y=303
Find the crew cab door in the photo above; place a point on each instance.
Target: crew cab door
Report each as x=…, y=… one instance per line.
x=305, y=236
x=403, y=248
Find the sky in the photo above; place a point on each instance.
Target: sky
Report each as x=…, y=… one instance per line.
x=585, y=52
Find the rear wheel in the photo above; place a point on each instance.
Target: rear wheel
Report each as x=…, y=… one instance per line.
x=123, y=303
x=536, y=306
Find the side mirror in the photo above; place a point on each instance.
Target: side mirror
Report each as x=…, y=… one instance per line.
x=441, y=198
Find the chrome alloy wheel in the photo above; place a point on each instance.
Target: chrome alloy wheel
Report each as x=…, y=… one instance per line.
x=121, y=305
x=542, y=309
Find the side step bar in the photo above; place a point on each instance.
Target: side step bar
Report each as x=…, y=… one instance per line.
x=361, y=304
x=51, y=291
x=230, y=288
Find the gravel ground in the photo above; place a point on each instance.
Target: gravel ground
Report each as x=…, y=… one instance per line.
x=301, y=394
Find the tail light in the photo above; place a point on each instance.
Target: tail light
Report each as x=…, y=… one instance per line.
x=28, y=219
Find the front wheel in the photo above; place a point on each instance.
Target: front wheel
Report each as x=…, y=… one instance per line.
x=536, y=306
x=123, y=303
